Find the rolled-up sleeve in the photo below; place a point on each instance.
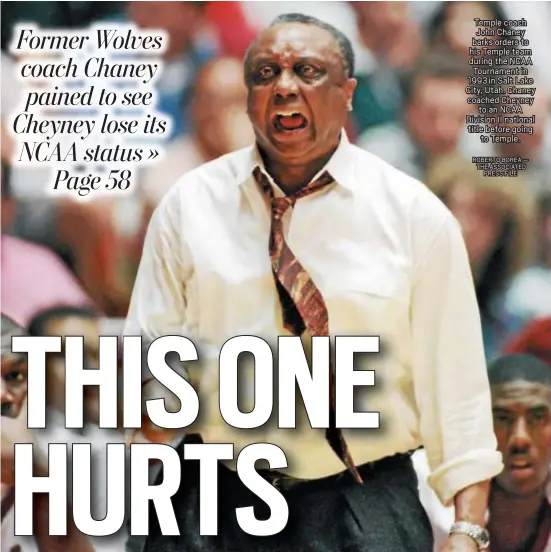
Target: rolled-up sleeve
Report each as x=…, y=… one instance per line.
x=158, y=306
x=449, y=368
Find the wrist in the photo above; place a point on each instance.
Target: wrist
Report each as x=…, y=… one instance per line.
x=463, y=543
x=476, y=533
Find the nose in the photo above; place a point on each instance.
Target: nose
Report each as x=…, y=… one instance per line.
x=520, y=440
x=286, y=86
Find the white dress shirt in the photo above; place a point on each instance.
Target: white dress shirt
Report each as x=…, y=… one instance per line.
x=388, y=259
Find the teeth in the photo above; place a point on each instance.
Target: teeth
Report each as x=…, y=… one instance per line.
x=288, y=114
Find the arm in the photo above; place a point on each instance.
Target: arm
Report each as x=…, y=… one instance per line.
x=450, y=378
x=158, y=304
x=470, y=503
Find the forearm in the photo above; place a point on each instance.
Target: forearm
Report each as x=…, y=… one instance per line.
x=471, y=503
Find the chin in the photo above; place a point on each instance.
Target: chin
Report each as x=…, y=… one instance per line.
x=524, y=489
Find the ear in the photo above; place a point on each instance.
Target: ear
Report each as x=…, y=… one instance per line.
x=349, y=87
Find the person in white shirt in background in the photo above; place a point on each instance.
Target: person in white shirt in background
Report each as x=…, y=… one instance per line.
x=387, y=259
x=519, y=510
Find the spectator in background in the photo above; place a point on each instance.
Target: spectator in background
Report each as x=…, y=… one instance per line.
x=394, y=40
x=14, y=371
x=93, y=252
x=65, y=321
x=519, y=508
x=33, y=278
x=535, y=146
x=220, y=125
x=495, y=219
x=529, y=295
x=191, y=43
x=452, y=26
x=433, y=118
x=14, y=430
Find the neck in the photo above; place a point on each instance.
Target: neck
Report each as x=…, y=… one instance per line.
x=206, y=151
x=292, y=178
x=513, y=519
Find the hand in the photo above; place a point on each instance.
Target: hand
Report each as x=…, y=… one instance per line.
x=459, y=543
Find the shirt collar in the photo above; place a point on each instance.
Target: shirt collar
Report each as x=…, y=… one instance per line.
x=340, y=166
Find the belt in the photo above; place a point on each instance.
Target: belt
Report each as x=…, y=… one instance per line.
x=284, y=482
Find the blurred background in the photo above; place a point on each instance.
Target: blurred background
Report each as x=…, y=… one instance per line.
x=409, y=108
x=68, y=267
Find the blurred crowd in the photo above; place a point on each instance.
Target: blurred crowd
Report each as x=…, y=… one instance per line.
x=68, y=266
x=409, y=109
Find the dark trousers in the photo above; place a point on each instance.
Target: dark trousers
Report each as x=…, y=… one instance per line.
x=335, y=514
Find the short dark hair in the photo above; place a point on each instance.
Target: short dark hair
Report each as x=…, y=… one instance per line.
x=521, y=367
x=345, y=46
x=39, y=322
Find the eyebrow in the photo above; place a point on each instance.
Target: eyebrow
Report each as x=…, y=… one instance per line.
x=531, y=408
x=267, y=58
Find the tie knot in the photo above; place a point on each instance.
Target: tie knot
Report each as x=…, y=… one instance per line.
x=280, y=205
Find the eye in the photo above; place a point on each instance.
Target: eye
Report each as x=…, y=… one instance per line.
x=266, y=72
x=15, y=376
x=308, y=71
x=502, y=418
x=539, y=416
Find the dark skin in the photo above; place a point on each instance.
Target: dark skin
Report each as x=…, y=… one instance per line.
x=294, y=67
x=522, y=421
x=14, y=384
x=297, y=67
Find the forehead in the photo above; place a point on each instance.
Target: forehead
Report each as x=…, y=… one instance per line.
x=521, y=394
x=15, y=360
x=295, y=40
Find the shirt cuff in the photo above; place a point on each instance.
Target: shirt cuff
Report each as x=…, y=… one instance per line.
x=474, y=467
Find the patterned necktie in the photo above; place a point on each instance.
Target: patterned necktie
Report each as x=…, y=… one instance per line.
x=303, y=306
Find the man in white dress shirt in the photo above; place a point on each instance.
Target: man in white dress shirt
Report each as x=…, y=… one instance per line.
x=350, y=246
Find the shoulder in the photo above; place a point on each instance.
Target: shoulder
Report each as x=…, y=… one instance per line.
x=381, y=182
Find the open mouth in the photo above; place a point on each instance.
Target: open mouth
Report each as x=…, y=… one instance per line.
x=290, y=121
x=521, y=467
